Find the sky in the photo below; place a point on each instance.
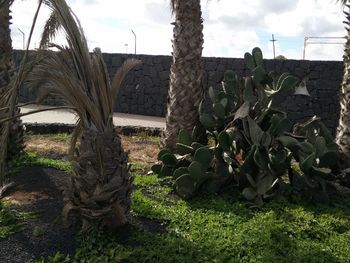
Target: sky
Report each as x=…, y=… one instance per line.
x=231, y=27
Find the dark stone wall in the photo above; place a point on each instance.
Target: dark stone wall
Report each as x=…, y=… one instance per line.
x=145, y=88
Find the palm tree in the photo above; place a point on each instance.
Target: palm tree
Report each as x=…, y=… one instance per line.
x=6, y=63
x=343, y=130
x=13, y=131
x=100, y=185
x=185, y=90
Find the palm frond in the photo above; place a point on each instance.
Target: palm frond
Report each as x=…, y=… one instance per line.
x=50, y=30
x=342, y=2
x=101, y=80
x=62, y=81
x=80, y=79
x=101, y=184
x=5, y=187
x=121, y=74
x=74, y=138
x=10, y=98
x=75, y=38
x=6, y=119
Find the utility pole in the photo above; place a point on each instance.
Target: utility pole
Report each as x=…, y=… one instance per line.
x=273, y=40
x=135, y=39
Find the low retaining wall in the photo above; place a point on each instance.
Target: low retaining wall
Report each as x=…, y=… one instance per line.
x=146, y=87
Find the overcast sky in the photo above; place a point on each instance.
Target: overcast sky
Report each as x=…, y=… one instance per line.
x=231, y=27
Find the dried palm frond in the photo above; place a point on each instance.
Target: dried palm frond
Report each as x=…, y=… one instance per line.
x=50, y=30
x=101, y=184
x=9, y=98
x=342, y=2
x=120, y=75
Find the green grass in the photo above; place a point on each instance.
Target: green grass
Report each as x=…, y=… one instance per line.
x=11, y=221
x=222, y=229
x=214, y=228
x=139, y=167
x=32, y=159
x=143, y=136
x=59, y=136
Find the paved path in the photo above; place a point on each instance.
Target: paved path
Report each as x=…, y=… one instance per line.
x=68, y=117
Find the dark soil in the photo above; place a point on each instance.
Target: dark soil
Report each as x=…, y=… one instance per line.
x=38, y=190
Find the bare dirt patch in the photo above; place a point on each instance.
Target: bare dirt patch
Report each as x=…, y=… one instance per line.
x=140, y=148
x=25, y=198
x=48, y=147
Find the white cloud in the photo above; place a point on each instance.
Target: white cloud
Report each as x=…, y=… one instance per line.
x=231, y=43
x=230, y=27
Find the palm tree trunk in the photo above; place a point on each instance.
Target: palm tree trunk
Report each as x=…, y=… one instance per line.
x=6, y=63
x=343, y=130
x=14, y=141
x=100, y=187
x=185, y=91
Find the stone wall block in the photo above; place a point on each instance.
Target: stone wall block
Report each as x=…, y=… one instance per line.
x=145, y=88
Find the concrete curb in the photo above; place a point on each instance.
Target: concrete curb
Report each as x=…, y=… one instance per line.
x=47, y=128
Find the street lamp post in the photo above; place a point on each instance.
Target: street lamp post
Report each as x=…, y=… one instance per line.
x=23, y=37
x=135, y=39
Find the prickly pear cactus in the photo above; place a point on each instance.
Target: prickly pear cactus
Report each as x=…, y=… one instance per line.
x=317, y=154
x=191, y=168
x=252, y=143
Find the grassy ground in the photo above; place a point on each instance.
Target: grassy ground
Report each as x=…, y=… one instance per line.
x=221, y=229
x=11, y=221
x=216, y=228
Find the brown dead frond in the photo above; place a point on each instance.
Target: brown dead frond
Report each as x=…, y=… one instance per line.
x=50, y=30
x=100, y=179
x=71, y=73
x=9, y=99
x=120, y=76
